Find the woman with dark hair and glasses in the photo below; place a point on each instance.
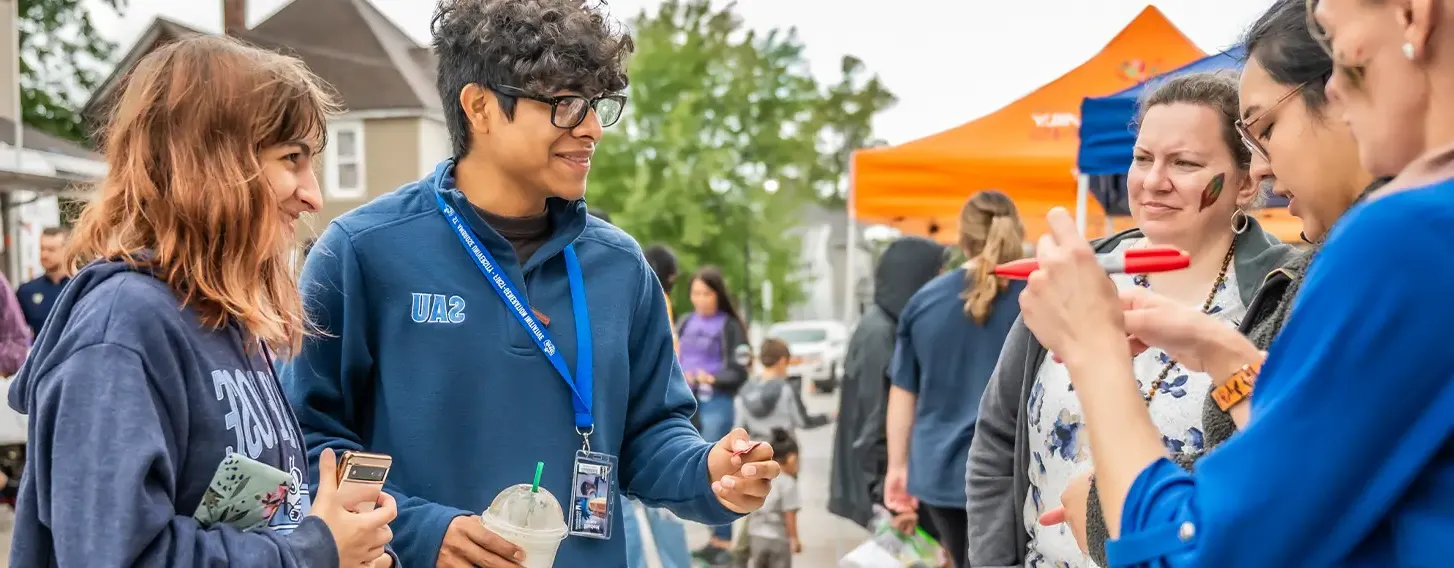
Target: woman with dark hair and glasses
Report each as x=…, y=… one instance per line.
x=1301, y=150
x=1347, y=454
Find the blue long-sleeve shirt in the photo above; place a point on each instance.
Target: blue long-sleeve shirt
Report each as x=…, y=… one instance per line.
x=945, y=359
x=419, y=359
x=1348, y=459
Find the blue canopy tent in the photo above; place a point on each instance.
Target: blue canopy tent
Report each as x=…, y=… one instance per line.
x=1107, y=133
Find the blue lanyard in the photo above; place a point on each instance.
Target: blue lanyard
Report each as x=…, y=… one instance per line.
x=581, y=386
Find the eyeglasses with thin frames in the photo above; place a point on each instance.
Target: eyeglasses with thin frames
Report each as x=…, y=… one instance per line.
x=569, y=111
x=1243, y=127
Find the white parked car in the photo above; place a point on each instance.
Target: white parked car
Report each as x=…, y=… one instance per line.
x=818, y=347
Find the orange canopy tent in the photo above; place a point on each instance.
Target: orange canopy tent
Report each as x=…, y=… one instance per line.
x=1026, y=149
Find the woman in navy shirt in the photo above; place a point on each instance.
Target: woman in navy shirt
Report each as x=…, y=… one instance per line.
x=949, y=338
x=1347, y=457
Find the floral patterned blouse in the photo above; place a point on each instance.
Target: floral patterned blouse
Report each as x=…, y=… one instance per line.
x=1060, y=446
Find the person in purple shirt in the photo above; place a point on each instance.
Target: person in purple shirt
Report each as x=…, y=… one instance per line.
x=14, y=345
x=14, y=333
x=709, y=339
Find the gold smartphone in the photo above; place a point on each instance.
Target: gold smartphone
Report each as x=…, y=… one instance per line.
x=361, y=478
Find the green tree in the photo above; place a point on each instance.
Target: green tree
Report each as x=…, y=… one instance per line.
x=61, y=54
x=844, y=120
x=725, y=138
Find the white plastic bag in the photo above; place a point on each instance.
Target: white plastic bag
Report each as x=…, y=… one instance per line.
x=889, y=548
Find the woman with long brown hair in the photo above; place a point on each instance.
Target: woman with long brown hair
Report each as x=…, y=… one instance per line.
x=158, y=431
x=950, y=335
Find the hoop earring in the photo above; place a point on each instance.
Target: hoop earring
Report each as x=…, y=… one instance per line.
x=1240, y=221
x=1408, y=49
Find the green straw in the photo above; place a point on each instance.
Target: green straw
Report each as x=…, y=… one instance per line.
x=534, y=489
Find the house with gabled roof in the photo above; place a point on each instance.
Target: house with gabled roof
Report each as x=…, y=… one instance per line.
x=37, y=170
x=393, y=129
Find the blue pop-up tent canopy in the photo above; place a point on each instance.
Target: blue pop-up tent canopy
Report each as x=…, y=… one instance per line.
x=1106, y=133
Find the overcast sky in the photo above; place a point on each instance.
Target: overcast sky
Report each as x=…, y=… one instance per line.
x=981, y=53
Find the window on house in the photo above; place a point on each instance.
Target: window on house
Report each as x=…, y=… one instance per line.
x=344, y=161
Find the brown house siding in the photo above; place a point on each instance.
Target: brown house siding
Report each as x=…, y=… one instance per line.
x=391, y=159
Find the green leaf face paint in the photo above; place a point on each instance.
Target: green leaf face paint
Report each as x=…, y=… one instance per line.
x=1213, y=190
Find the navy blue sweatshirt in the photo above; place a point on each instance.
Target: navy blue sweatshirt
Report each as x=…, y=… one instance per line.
x=422, y=361
x=132, y=404
x=945, y=359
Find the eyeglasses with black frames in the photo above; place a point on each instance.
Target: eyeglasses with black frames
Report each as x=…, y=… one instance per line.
x=569, y=111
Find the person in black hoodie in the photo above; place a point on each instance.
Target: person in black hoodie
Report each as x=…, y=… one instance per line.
x=860, y=446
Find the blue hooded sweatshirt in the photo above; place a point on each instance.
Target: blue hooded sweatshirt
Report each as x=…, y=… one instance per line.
x=419, y=359
x=132, y=405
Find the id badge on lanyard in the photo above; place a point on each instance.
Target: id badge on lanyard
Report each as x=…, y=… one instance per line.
x=593, y=476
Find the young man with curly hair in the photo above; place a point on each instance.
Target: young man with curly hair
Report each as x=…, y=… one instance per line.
x=479, y=321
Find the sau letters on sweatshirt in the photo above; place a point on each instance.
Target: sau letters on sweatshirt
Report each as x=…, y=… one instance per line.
x=423, y=361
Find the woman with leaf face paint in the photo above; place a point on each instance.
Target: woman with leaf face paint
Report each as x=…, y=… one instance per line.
x=1189, y=188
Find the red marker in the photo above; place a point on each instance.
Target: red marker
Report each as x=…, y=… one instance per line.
x=1134, y=261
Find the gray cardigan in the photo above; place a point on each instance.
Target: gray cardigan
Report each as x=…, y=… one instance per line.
x=999, y=456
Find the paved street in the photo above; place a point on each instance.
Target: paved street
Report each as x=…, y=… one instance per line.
x=825, y=537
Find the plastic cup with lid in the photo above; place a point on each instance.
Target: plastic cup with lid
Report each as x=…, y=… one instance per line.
x=529, y=517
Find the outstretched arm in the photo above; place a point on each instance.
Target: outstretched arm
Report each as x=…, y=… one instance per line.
x=664, y=459
x=1372, y=442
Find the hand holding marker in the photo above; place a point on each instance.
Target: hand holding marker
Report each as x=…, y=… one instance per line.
x=1133, y=261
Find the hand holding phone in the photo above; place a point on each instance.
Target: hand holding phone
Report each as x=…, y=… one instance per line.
x=361, y=478
x=359, y=537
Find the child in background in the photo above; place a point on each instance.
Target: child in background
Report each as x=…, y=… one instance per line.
x=769, y=406
x=772, y=531
x=769, y=402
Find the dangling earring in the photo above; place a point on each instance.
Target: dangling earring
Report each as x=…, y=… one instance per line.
x=1408, y=49
x=1240, y=221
